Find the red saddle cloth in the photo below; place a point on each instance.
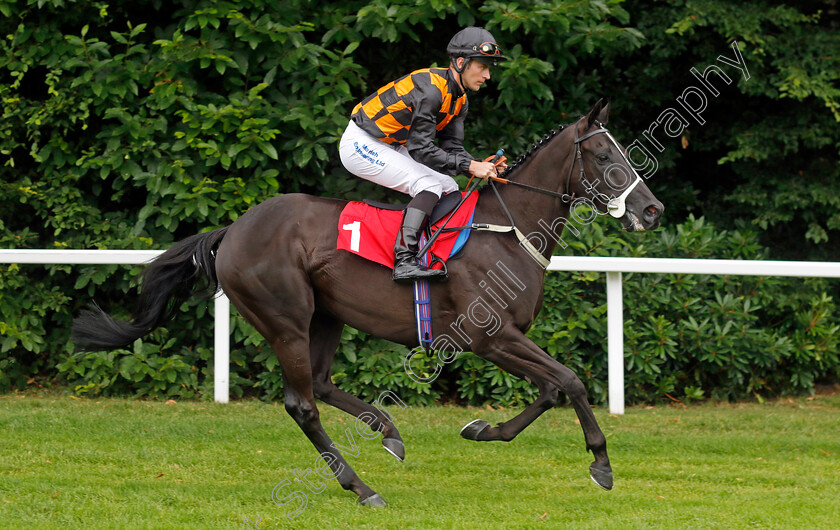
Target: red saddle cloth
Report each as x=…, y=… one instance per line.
x=370, y=232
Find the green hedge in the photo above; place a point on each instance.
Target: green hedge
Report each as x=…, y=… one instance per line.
x=687, y=337
x=135, y=124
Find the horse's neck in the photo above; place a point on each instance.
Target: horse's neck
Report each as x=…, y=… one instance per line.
x=547, y=168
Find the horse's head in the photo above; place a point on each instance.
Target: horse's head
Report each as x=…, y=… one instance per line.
x=607, y=177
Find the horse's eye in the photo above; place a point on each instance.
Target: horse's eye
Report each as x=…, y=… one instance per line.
x=602, y=157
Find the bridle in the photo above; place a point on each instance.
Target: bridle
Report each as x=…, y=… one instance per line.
x=616, y=206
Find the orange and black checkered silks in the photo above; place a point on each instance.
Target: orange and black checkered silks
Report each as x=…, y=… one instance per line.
x=413, y=111
x=391, y=107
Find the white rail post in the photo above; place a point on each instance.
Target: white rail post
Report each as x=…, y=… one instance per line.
x=221, y=349
x=615, y=342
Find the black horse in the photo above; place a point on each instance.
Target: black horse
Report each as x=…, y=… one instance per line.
x=279, y=266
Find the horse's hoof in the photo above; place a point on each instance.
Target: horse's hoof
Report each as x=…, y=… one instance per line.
x=395, y=447
x=374, y=501
x=473, y=429
x=602, y=476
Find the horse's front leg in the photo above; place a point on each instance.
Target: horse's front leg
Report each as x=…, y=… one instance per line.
x=517, y=354
x=481, y=431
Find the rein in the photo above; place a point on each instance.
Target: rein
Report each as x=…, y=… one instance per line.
x=616, y=206
x=565, y=197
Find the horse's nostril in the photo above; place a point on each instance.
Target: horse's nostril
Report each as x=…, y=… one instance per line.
x=651, y=210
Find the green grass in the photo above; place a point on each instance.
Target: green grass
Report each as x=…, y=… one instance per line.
x=109, y=463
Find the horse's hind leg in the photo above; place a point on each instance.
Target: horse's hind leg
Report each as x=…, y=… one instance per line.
x=282, y=314
x=300, y=404
x=324, y=338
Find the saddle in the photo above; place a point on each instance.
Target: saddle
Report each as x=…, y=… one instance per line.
x=445, y=204
x=369, y=228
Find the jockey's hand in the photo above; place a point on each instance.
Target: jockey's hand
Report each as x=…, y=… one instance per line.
x=482, y=170
x=500, y=163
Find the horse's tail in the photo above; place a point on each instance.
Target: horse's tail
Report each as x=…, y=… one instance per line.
x=185, y=270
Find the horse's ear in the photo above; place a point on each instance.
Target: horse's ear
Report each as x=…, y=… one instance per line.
x=600, y=112
x=604, y=115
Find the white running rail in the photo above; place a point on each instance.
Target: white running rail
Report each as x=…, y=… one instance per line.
x=221, y=334
x=613, y=267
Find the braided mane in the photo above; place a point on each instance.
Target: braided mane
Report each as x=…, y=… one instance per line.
x=534, y=148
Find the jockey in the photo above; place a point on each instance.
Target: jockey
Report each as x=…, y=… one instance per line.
x=390, y=139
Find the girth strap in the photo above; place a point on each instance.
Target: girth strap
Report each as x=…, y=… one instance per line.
x=523, y=241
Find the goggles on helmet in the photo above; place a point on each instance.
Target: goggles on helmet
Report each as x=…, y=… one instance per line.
x=488, y=48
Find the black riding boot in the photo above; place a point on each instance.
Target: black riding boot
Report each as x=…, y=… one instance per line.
x=406, y=267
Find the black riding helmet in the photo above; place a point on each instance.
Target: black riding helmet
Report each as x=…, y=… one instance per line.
x=475, y=43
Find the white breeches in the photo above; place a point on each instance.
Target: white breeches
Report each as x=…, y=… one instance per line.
x=389, y=165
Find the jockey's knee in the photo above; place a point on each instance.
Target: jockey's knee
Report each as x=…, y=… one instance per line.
x=450, y=186
x=426, y=184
